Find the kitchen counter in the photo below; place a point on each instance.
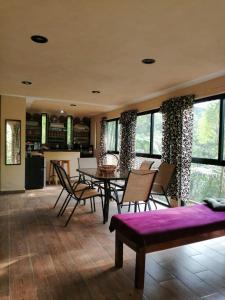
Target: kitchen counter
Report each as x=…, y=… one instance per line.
x=70, y=155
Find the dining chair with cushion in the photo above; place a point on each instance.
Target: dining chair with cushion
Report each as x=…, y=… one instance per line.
x=162, y=182
x=76, y=192
x=137, y=189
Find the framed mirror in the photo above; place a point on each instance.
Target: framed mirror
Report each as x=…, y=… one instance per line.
x=12, y=142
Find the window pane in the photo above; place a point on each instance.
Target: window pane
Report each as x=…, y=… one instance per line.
x=111, y=136
x=157, y=133
x=143, y=134
x=206, y=181
x=206, y=129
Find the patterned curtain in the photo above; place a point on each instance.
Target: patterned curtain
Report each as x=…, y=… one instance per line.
x=177, y=142
x=102, y=146
x=128, y=129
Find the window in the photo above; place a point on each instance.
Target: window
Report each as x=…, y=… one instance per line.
x=207, y=170
x=149, y=134
x=112, y=135
x=157, y=133
x=142, y=143
x=206, y=129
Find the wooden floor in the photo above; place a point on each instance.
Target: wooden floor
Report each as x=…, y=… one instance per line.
x=40, y=259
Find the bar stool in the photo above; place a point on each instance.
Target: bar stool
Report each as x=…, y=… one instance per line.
x=66, y=163
x=52, y=177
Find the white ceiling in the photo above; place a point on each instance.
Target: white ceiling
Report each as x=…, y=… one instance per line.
x=99, y=45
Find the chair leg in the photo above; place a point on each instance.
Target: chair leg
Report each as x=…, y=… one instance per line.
x=71, y=214
x=149, y=205
x=91, y=205
x=94, y=204
x=135, y=207
x=145, y=206
x=118, y=207
x=129, y=207
x=138, y=205
x=64, y=203
x=58, y=198
x=167, y=200
x=62, y=212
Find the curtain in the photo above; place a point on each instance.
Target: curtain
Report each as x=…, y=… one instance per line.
x=102, y=146
x=177, y=129
x=128, y=129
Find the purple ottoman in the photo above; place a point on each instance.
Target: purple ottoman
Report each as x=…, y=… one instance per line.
x=162, y=229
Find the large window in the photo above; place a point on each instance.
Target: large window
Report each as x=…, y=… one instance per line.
x=149, y=134
x=206, y=129
x=207, y=170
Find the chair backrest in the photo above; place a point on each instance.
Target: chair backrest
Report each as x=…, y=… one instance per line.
x=163, y=177
x=139, y=185
x=146, y=164
x=55, y=166
x=87, y=162
x=65, y=179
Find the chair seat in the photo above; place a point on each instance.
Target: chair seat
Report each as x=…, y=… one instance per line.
x=87, y=194
x=81, y=186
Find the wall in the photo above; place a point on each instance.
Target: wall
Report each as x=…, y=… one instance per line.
x=12, y=178
x=201, y=90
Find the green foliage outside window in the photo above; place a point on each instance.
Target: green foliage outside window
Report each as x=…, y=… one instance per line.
x=111, y=136
x=157, y=134
x=206, y=129
x=143, y=134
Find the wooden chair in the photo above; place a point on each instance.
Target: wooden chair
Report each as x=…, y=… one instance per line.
x=161, y=184
x=78, y=192
x=137, y=189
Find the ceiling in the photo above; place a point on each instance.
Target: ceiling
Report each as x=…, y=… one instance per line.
x=99, y=45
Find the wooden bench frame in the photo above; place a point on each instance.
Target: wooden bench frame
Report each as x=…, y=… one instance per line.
x=142, y=250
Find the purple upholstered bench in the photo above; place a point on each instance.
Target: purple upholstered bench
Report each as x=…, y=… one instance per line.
x=162, y=229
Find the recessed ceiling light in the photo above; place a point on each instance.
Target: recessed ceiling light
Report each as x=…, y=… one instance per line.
x=61, y=111
x=26, y=82
x=39, y=39
x=148, y=61
x=73, y=105
x=96, y=92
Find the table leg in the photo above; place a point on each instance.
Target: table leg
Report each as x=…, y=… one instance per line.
x=140, y=269
x=118, y=252
x=106, y=202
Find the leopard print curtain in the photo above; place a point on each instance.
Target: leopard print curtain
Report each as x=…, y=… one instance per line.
x=102, y=145
x=177, y=142
x=128, y=130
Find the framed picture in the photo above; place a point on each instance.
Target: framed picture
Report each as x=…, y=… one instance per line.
x=12, y=142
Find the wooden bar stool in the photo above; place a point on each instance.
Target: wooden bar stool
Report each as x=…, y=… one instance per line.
x=53, y=178
x=66, y=163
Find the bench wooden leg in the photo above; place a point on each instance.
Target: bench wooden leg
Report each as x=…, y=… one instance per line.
x=118, y=253
x=140, y=269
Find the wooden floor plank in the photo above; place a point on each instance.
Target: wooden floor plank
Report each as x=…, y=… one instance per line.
x=41, y=259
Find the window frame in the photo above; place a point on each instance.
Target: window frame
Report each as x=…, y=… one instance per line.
x=208, y=161
x=151, y=134
x=220, y=161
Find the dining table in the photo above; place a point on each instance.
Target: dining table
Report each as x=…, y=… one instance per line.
x=105, y=179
